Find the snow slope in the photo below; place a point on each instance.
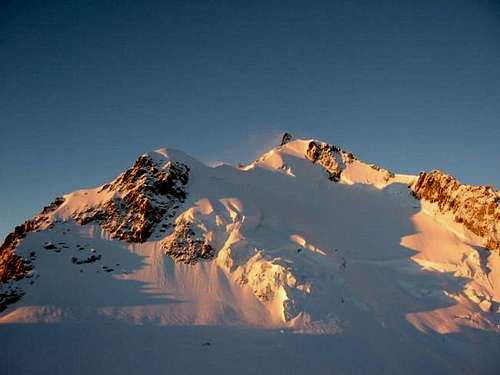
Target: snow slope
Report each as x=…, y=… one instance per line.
x=306, y=259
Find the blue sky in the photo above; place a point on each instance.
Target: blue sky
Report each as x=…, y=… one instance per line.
x=85, y=87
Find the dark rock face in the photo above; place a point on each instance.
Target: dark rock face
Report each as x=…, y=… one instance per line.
x=330, y=157
x=184, y=246
x=90, y=259
x=9, y=297
x=287, y=137
x=12, y=266
x=476, y=207
x=144, y=195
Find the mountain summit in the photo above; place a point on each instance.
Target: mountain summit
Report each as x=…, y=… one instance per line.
x=307, y=239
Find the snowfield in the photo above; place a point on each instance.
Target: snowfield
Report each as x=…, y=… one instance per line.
x=288, y=265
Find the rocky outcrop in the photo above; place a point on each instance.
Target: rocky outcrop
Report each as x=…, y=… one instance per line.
x=185, y=246
x=332, y=158
x=287, y=137
x=476, y=207
x=12, y=266
x=144, y=196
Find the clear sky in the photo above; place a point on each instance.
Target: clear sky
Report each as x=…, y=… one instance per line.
x=87, y=86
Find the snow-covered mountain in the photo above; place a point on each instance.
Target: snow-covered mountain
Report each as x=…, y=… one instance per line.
x=399, y=273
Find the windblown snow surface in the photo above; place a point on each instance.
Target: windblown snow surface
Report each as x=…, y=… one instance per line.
x=307, y=275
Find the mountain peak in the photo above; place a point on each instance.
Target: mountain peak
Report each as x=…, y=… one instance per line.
x=310, y=159
x=307, y=237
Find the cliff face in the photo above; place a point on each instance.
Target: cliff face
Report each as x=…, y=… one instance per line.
x=476, y=207
x=145, y=195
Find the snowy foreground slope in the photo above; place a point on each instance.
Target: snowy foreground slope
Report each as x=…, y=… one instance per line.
x=306, y=260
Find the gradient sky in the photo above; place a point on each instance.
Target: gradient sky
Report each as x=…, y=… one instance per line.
x=87, y=86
